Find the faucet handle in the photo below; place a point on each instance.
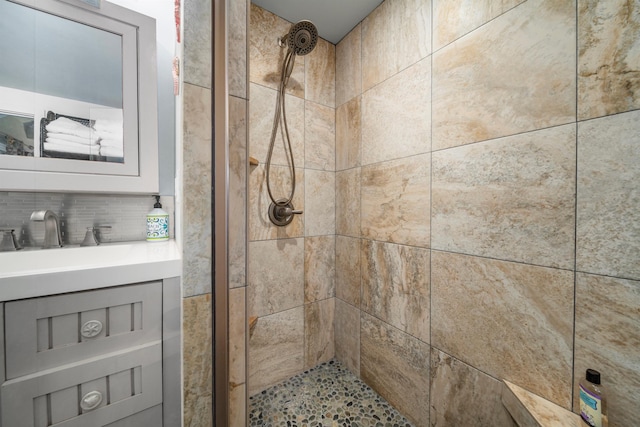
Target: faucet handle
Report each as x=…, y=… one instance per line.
x=9, y=240
x=90, y=237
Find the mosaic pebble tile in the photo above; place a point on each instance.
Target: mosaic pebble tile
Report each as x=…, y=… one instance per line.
x=326, y=395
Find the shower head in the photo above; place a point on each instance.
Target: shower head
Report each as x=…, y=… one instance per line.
x=301, y=38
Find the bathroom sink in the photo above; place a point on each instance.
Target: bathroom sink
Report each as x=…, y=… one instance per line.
x=31, y=272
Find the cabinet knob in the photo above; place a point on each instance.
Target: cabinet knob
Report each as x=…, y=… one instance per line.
x=91, y=328
x=91, y=400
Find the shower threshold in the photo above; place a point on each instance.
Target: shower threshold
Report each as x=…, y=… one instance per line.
x=326, y=395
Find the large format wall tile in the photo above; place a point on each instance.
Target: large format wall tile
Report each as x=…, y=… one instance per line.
x=608, y=339
x=320, y=203
x=320, y=137
x=197, y=43
x=319, y=268
x=396, y=202
x=320, y=74
x=510, y=198
x=261, y=110
x=510, y=320
x=455, y=18
x=196, y=271
x=276, y=276
x=347, y=336
x=197, y=345
x=265, y=54
x=238, y=405
x=608, y=237
x=395, y=286
x=463, y=396
x=348, y=270
x=276, y=349
x=237, y=51
x=396, y=116
x=348, y=202
x=609, y=57
x=237, y=191
x=349, y=66
x=237, y=336
x=319, y=341
x=260, y=226
x=348, y=134
x=396, y=366
x=395, y=35
x=512, y=75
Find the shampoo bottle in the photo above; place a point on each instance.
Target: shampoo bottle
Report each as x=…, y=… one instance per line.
x=157, y=223
x=593, y=404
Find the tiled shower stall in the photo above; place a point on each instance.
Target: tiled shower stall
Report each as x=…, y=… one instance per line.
x=468, y=173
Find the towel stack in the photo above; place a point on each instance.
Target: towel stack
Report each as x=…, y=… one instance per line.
x=68, y=136
x=110, y=134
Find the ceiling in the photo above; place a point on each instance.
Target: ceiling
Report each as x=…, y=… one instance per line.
x=333, y=18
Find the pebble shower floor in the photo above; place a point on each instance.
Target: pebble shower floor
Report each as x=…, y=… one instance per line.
x=327, y=395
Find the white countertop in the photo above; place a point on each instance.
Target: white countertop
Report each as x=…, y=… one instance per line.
x=31, y=273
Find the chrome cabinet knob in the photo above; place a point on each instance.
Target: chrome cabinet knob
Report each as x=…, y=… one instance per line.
x=91, y=328
x=91, y=400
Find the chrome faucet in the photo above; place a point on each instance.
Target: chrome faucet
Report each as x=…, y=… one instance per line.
x=52, y=232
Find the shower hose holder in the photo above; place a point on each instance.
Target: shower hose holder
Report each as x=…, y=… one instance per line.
x=281, y=213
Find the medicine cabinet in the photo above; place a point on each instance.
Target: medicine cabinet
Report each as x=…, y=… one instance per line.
x=78, y=98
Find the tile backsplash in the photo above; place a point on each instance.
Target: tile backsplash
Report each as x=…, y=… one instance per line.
x=125, y=214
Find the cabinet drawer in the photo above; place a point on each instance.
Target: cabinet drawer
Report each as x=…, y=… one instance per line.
x=43, y=333
x=95, y=393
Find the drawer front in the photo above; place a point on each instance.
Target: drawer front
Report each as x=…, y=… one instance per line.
x=96, y=393
x=48, y=332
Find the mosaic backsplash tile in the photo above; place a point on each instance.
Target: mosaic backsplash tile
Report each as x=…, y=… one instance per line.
x=126, y=214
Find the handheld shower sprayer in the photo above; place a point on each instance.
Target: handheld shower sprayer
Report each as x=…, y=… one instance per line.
x=300, y=40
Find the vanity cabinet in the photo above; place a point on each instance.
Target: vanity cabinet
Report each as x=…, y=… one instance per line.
x=100, y=357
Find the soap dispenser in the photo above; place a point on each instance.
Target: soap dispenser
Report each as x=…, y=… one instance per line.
x=157, y=223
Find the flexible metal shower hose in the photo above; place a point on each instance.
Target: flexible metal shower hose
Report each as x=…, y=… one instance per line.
x=280, y=117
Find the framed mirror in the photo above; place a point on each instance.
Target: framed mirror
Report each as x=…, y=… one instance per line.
x=78, y=99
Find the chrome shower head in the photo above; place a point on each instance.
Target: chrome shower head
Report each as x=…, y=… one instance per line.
x=301, y=38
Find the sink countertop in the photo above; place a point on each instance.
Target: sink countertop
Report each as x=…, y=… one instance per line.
x=32, y=273
x=530, y=410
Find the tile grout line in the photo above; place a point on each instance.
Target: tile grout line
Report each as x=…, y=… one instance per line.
x=430, y=376
x=575, y=215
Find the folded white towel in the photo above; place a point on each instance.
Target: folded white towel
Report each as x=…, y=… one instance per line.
x=68, y=147
x=108, y=135
x=72, y=138
x=70, y=127
x=106, y=125
x=114, y=143
x=111, y=152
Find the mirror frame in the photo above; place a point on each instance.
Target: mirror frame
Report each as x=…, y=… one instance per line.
x=139, y=173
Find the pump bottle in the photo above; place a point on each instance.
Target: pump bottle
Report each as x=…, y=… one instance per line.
x=593, y=404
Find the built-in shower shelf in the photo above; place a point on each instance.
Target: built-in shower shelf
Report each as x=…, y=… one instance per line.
x=530, y=410
x=253, y=161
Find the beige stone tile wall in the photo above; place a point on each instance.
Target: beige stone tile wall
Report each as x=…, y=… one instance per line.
x=514, y=74
x=196, y=215
x=608, y=57
x=291, y=269
x=489, y=181
x=197, y=366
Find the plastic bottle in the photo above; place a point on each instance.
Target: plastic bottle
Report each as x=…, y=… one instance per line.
x=593, y=404
x=157, y=223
